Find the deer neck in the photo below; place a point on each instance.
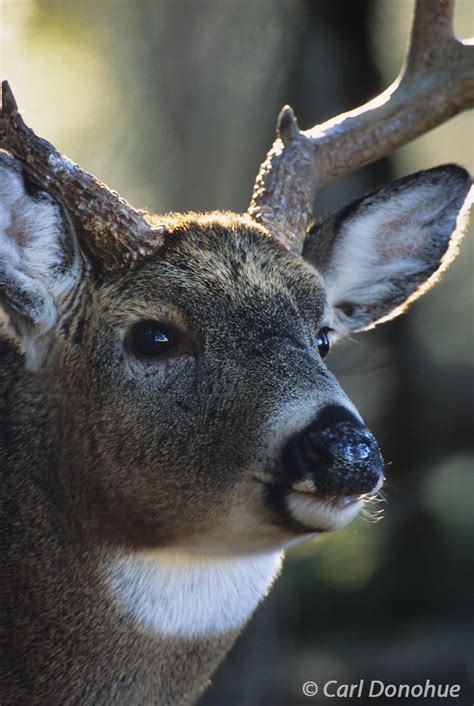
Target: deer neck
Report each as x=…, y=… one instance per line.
x=140, y=627
x=173, y=594
x=143, y=627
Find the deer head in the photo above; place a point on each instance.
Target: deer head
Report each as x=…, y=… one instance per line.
x=185, y=352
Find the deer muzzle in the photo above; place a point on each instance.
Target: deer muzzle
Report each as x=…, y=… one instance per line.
x=336, y=456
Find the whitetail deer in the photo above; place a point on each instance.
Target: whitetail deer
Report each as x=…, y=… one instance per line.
x=167, y=422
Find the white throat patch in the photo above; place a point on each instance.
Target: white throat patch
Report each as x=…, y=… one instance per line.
x=185, y=596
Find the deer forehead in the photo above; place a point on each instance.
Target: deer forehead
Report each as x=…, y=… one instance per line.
x=217, y=263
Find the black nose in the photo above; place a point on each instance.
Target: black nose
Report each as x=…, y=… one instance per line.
x=337, y=452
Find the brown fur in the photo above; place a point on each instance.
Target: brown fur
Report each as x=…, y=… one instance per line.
x=109, y=452
x=102, y=454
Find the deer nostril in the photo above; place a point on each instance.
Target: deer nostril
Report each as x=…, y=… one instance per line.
x=313, y=452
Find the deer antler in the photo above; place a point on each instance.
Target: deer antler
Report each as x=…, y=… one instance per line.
x=110, y=228
x=436, y=82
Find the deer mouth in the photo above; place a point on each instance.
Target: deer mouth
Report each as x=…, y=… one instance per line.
x=341, y=502
x=303, y=510
x=307, y=488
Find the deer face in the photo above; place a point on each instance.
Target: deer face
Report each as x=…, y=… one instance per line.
x=195, y=378
x=190, y=400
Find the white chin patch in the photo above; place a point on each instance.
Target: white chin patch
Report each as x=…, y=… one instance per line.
x=172, y=594
x=312, y=512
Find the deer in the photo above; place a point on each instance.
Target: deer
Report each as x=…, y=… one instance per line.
x=168, y=425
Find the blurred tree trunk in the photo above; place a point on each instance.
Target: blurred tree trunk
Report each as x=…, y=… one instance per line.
x=210, y=78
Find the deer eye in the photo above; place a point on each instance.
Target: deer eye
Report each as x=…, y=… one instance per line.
x=151, y=340
x=322, y=341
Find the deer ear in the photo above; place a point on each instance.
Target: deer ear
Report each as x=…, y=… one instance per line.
x=381, y=252
x=39, y=260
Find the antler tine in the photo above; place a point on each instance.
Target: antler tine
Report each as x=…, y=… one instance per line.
x=436, y=83
x=115, y=232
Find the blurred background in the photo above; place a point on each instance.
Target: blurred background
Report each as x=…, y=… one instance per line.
x=173, y=103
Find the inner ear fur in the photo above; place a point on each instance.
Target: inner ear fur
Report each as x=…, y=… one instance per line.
x=39, y=256
x=384, y=250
